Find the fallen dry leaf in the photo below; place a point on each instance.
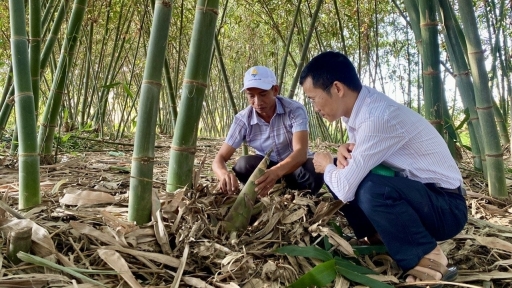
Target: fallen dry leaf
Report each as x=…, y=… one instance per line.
x=80, y=198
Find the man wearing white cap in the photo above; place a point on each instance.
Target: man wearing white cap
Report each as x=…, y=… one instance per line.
x=270, y=121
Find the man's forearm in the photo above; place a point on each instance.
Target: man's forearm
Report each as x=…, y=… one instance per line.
x=291, y=163
x=219, y=168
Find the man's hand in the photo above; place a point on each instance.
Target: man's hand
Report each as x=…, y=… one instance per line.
x=266, y=182
x=344, y=153
x=228, y=183
x=321, y=160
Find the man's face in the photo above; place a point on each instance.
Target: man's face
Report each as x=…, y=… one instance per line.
x=263, y=101
x=327, y=104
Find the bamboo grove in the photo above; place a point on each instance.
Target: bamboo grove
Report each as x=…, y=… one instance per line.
x=139, y=69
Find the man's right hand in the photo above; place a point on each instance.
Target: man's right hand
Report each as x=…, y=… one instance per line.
x=344, y=153
x=228, y=183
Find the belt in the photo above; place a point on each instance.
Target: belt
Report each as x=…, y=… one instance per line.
x=458, y=190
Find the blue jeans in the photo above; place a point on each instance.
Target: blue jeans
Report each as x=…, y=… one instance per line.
x=408, y=215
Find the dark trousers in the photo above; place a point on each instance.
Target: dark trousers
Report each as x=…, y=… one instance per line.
x=408, y=215
x=304, y=178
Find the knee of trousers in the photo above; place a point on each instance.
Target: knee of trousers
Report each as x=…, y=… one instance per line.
x=370, y=192
x=245, y=165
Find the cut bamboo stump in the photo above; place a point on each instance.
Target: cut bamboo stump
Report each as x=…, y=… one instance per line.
x=18, y=240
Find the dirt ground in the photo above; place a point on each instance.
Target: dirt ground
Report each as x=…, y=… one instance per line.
x=82, y=225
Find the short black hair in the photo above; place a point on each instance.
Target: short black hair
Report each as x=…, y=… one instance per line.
x=330, y=66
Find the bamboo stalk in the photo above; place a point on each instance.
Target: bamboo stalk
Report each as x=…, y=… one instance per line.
x=53, y=106
x=181, y=159
x=35, y=48
x=493, y=153
x=141, y=180
x=463, y=81
x=305, y=49
x=288, y=44
x=432, y=83
x=29, y=195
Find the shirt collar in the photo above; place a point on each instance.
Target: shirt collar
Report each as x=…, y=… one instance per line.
x=279, y=110
x=360, y=101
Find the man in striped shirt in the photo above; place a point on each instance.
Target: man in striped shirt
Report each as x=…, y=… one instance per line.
x=408, y=213
x=270, y=121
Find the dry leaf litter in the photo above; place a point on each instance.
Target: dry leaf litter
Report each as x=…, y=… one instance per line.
x=82, y=226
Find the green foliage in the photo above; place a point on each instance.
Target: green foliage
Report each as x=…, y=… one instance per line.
x=325, y=272
x=321, y=275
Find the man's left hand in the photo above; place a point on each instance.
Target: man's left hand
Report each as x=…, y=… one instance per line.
x=321, y=160
x=266, y=182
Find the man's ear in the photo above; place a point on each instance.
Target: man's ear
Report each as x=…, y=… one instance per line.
x=339, y=88
x=276, y=89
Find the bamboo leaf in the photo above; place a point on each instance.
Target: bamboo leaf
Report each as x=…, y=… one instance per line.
x=464, y=121
x=127, y=90
x=43, y=262
x=309, y=251
x=344, y=263
x=111, y=85
x=319, y=276
x=360, y=278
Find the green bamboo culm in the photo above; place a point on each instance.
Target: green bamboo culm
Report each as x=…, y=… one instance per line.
x=29, y=186
x=305, y=49
x=483, y=97
x=141, y=181
x=54, y=34
x=35, y=48
x=53, y=106
x=462, y=79
x=181, y=159
x=240, y=213
x=432, y=82
x=5, y=111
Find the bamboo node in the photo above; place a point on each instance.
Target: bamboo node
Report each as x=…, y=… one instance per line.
x=144, y=160
x=189, y=150
x=500, y=155
x=484, y=108
x=465, y=73
x=430, y=24
x=14, y=37
x=23, y=94
x=46, y=125
x=165, y=3
x=473, y=119
x=194, y=82
x=477, y=52
x=78, y=5
x=153, y=83
x=430, y=72
x=208, y=9
x=435, y=122
x=27, y=154
x=142, y=179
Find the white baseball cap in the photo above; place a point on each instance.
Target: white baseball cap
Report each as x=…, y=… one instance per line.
x=259, y=77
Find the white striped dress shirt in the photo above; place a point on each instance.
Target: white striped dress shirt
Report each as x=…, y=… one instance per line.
x=387, y=132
